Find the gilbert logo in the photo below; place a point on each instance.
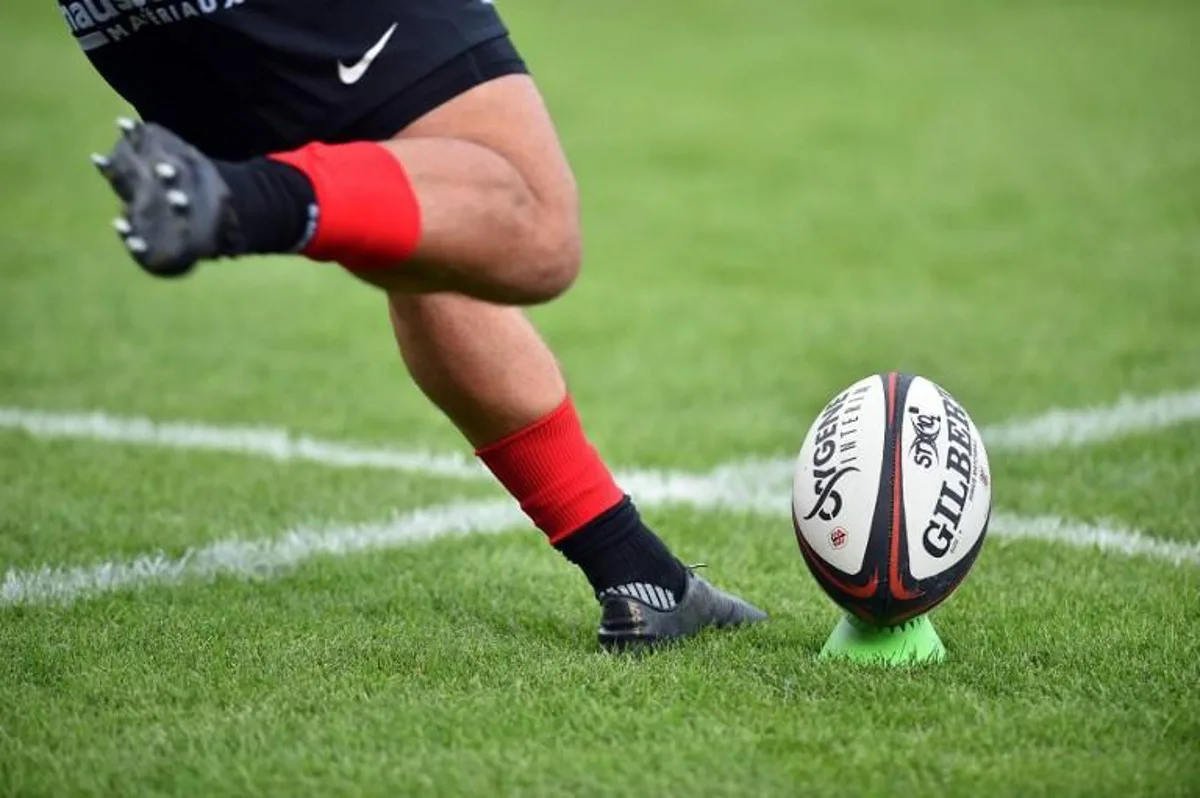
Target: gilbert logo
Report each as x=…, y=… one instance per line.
x=941, y=533
x=349, y=75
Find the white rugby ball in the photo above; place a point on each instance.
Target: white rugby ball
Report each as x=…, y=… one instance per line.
x=891, y=497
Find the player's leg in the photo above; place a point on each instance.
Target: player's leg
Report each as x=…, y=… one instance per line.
x=488, y=369
x=499, y=206
x=483, y=364
x=433, y=212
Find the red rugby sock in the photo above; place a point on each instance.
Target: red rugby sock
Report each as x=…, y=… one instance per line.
x=368, y=215
x=554, y=472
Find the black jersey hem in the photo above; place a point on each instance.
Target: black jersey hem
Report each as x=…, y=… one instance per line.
x=479, y=64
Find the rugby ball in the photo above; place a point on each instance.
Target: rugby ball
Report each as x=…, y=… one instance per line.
x=891, y=497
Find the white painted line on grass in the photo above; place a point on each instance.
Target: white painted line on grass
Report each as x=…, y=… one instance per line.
x=754, y=486
x=254, y=558
x=1128, y=416
x=758, y=487
x=269, y=442
x=1039, y=433
x=1114, y=539
x=744, y=489
x=1079, y=427
x=265, y=557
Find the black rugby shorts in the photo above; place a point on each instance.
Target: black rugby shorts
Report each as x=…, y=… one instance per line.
x=240, y=78
x=482, y=63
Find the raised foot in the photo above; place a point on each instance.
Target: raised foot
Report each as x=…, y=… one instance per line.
x=175, y=203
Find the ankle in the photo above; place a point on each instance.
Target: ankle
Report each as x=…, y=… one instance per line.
x=616, y=549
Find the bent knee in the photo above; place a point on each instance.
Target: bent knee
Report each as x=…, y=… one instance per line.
x=548, y=258
x=558, y=258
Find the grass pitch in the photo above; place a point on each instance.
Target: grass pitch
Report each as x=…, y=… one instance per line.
x=779, y=198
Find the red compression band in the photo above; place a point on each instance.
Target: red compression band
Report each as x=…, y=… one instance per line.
x=368, y=214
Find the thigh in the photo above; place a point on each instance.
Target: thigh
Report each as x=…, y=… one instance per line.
x=484, y=364
x=508, y=116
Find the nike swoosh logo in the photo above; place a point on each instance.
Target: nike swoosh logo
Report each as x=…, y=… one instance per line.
x=350, y=75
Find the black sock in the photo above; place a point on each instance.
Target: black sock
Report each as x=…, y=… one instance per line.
x=617, y=549
x=274, y=203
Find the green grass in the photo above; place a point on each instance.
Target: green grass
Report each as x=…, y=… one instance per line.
x=779, y=198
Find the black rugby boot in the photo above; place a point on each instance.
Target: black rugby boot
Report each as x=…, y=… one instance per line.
x=177, y=206
x=630, y=621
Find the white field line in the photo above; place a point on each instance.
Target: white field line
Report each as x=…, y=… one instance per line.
x=758, y=487
x=1128, y=416
x=269, y=442
x=265, y=557
x=254, y=558
x=1059, y=428
x=1080, y=535
x=1050, y=430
